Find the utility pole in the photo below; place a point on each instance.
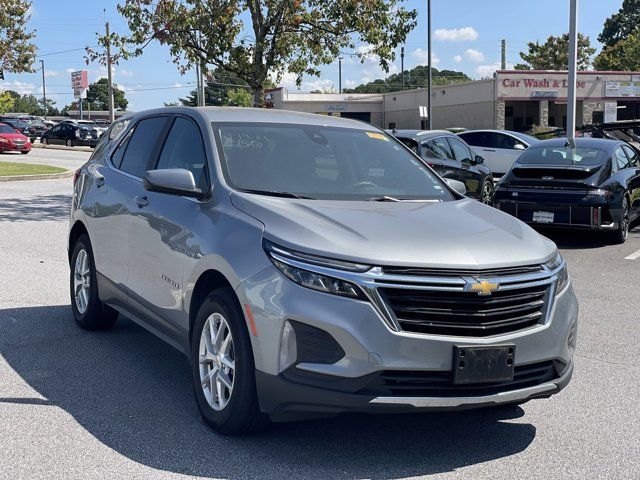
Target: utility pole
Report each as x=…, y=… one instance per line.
x=44, y=91
x=198, y=90
x=573, y=66
x=402, y=65
x=109, y=78
x=503, y=56
x=429, y=64
x=339, y=74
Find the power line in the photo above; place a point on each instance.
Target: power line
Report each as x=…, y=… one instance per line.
x=65, y=51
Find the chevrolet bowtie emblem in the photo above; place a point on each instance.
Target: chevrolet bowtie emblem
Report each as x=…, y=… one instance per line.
x=484, y=287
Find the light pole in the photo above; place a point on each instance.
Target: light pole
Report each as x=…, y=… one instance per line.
x=573, y=66
x=429, y=64
x=44, y=91
x=339, y=74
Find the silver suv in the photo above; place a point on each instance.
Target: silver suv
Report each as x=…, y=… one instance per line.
x=309, y=265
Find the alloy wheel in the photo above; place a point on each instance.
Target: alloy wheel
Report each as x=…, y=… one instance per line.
x=82, y=281
x=217, y=361
x=625, y=220
x=487, y=194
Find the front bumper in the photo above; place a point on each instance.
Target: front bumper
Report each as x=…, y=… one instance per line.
x=285, y=400
x=372, y=348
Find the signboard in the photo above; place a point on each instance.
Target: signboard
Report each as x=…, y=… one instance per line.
x=340, y=107
x=424, y=111
x=623, y=88
x=610, y=112
x=79, y=83
x=544, y=94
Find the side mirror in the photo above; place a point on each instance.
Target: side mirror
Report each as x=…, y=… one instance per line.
x=459, y=187
x=519, y=146
x=478, y=160
x=174, y=181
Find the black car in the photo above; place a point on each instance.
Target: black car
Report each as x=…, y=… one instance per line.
x=18, y=125
x=451, y=158
x=71, y=135
x=36, y=129
x=594, y=184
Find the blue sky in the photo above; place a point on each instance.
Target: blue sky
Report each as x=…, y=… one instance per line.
x=467, y=36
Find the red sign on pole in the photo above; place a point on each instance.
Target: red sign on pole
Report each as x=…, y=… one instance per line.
x=79, y=83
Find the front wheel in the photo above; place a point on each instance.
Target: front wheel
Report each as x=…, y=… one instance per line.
x=44, y=141
x=88, y=311
x=487, y=192
x=223, y=368
x=24, y=153
x=621, y=234
x=69, y=142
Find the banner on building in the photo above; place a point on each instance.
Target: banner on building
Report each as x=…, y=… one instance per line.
x=610, y=112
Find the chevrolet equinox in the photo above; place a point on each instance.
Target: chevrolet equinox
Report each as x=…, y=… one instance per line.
x=309, y=265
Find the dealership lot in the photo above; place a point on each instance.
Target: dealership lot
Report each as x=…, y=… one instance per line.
x=119, y=404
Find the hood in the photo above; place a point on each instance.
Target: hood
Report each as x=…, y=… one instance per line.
x=14, y=136
x=460, y=234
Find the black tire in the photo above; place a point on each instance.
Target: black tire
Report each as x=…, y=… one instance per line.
x=621, y=234
x=44, y=141
x=242, y=412
x=69, y=143
x=24, y=153
x=97, y=315
x=487, y=192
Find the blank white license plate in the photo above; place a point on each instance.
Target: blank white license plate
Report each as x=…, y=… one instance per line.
x=543, y=217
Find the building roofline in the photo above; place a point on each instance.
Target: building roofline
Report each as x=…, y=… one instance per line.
x=581, y=72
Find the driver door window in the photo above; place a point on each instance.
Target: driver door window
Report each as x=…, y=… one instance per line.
x=437, y=148
x=633, y=156
x=460, y=150
x=184, y=149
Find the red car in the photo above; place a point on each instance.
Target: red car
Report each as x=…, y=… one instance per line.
x=10, y=140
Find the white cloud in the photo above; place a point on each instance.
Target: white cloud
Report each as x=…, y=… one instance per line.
x=474, y=55
x=456, y=34
x=457, y=58
x=422, y=57
x=125, y=73
x=71, y=70
x=52, y=73
x=23, y=88
x=288, y=81
x=488, y=70
x=350, y=83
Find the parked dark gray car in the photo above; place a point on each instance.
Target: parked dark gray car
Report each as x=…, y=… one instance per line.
x=310, y=265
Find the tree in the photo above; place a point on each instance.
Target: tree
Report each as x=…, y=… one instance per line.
x=17, y=51
x=239, y=97
x=622, y=24
x=258, y=38
x=624, y=55
x=6, y=102
x=554, y=54
x=98, y=95
x=414, y=78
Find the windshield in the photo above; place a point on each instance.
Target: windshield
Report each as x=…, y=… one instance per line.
x=320, y=162
x=562, y=156
x=6, y=129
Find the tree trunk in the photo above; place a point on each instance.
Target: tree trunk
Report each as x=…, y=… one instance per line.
x=258, y=96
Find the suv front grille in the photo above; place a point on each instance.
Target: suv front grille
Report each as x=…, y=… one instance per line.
x=409, y=383
x=466, y=313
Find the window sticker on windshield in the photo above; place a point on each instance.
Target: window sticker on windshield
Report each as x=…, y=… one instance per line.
x=377, y=136
x=376, y=172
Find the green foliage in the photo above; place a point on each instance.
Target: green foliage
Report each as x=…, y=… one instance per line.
x=239, y=97
x=17, y=50
x=624, y=55
x=554, y=54
x=29, y=104
x=258, y=38
x=98, y=95
x=6, y=102
x=414, y=78
x=621, y=25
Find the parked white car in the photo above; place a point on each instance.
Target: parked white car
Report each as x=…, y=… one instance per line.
x=499, y=148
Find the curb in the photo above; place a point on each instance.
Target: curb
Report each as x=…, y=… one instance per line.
x=61, y=147
x=39, y=176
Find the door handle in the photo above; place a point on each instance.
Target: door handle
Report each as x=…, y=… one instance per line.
x=487, y=150
x=141, y=201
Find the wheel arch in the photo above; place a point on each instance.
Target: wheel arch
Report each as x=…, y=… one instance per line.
x=208, y=281
x=75, y=233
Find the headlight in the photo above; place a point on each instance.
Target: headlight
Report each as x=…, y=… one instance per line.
x=563, y=276
x=309, y=279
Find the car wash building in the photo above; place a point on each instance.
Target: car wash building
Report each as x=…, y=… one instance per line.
x=512, y=100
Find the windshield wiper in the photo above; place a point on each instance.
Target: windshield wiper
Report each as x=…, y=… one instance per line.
x=276, y=193
x=385, y=198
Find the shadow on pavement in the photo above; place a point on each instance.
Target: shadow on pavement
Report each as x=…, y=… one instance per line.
x=35, y=208
x=576, y=239
x=133, y=393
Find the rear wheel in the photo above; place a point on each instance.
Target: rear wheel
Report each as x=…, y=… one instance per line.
x=621, y=234
x=44, y=141
x=89, y=312
x=487, y=192
x=223, y=368
x=69, y=142
x=24, y=153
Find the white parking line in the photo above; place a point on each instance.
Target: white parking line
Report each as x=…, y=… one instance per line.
x=633, y=256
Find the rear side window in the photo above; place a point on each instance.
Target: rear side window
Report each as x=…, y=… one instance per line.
x=141, y=145
x=478, y=139
x=184, y=149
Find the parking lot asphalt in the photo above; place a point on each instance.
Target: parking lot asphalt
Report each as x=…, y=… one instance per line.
x=68, y=159
x=119, y=404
